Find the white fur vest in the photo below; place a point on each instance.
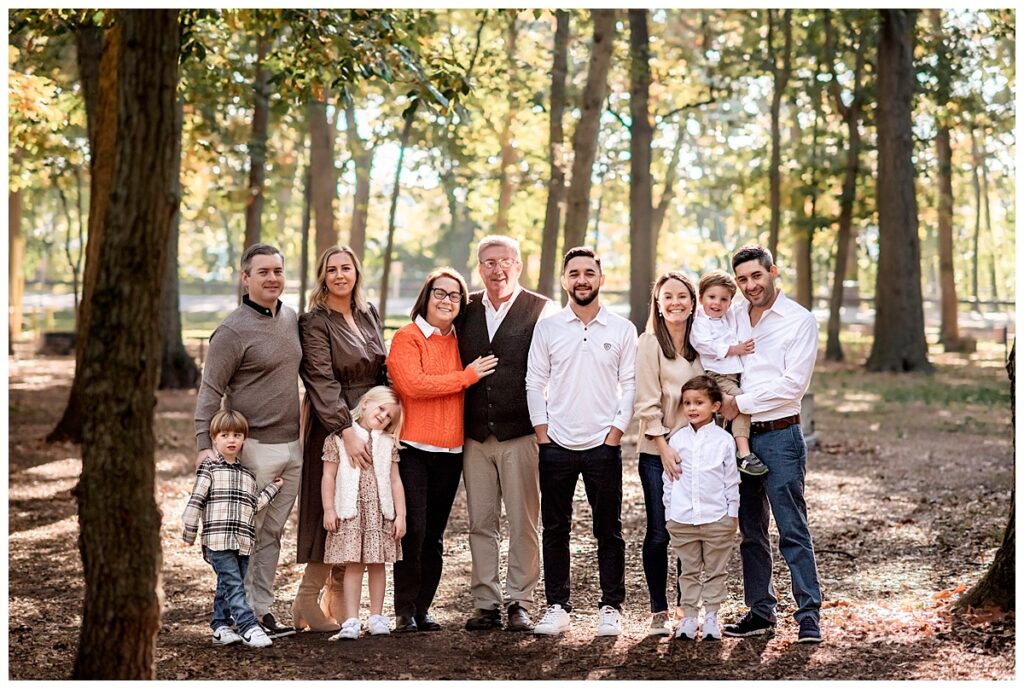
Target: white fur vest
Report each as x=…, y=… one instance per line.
x=346, y=485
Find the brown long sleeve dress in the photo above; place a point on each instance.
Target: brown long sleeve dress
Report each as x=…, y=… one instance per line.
x=337, y=369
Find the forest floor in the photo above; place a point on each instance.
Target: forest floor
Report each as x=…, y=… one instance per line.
x=908, y=494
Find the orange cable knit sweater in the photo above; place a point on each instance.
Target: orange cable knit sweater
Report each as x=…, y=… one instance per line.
x=428, y=376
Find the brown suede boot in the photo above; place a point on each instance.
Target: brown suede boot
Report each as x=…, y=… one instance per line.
x=306, y=613
x=332, y=603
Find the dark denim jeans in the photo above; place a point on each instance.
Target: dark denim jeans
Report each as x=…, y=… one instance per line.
x=782, y=491
x=601, y=468
x=229, y=601
x=655, y=550
x=431, y=480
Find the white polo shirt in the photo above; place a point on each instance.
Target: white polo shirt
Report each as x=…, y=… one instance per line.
x=580, y=377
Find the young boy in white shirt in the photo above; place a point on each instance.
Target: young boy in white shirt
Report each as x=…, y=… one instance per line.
x=714, y=336
x=701, y=507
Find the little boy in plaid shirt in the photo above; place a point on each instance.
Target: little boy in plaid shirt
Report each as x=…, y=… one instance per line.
x=226, y=499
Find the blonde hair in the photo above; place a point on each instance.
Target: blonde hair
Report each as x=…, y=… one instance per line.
x=228, y=421
x=716, y=278
x=318, y=296
x=382, y=394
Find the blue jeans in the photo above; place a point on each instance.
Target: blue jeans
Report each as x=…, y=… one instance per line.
x=229, y=601
x=656, y=538
x=782, y=491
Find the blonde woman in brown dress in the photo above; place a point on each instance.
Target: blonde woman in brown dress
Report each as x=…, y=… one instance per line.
x=342, y=358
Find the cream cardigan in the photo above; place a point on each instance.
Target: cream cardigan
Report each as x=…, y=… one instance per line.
x=346, y=483
x=659, y=383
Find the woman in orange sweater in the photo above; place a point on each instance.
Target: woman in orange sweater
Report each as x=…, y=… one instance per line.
x=427, y=374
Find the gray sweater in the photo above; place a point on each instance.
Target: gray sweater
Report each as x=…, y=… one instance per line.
x=253, y=366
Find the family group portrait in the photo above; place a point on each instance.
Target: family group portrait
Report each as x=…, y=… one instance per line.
x=511, y=344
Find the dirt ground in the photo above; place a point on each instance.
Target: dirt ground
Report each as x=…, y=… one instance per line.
x=908, y=494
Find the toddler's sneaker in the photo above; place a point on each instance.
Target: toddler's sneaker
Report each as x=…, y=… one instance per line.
x=609, y=621
x=555, y=621
x=349, y=630
x=225, y=636
x=711, y=631
x=659, y=624
x=255, y=637
x=687, y=629
x=751, y=465
x=378, y=625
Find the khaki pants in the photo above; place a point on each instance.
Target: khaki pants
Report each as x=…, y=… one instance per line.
x=707, y=547
x=494, y=471
x=267, y=461
x=729, y=383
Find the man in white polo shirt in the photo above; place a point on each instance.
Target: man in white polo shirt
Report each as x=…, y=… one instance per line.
x=583, y=359
x=775, y=377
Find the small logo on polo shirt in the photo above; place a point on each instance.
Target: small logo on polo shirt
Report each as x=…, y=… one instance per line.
x=607, y=346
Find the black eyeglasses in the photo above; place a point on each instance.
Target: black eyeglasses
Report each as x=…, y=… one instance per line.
x=441, y=295
x=505, y=263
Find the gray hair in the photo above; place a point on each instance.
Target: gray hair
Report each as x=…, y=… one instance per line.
x=497, y=240
x=258, y=250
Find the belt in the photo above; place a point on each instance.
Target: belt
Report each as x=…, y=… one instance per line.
x=774, y=424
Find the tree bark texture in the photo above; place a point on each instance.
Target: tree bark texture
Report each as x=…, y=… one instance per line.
x=641, y=251
x=118, y=516
x=324, y=183
x=403, y=141
x=584, y=139
x=949, y=331
x=307, y=183
x=89, y=44
x=178, y=370
x=104, y=128
x=976, y=244
x=362, y=159
x=16, y=265
x=780, y=77
x=899, y=343
x=556, y=157
x=258, y=145
x=506, y=184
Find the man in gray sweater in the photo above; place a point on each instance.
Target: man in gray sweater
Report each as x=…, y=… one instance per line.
x=253, y=367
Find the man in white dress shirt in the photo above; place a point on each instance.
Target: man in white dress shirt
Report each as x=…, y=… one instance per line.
x=775, y=377
x=583, y=359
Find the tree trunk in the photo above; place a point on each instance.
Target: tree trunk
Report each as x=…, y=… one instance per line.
x=324, y=184
x=988, y=220
x=667, y=191
x=16, y=264
x=89, y=44
x=641, y=252
x=976, y=184
x=118, y=516
x=307, y=183
x=362, y=159
x=101, y=166
x=258, y=145
x=997, y=586
x=403, y=141
x=556, y=157
x=506, y=186
x=899, y=343
x=178, y=370
x=584, y=139
x=780, y=77
x=801, y=233
x=949, y=332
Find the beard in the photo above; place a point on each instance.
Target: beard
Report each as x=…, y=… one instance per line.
x=587, y=300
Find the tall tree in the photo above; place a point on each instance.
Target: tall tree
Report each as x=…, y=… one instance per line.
x=780, y=78
x=117, y=512
x=584, y=139
x=506, y=183
x=403, y=141
x=976, y=242
x=556, y=157
x=321, y=160
x=899, y=343
x=16, y=261
x=258, y=142
x=641, y=250
x=307, y=193
x=362, y=162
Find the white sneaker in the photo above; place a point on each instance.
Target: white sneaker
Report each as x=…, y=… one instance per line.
x=555, y=621
x=378, y=625
x=255, y=637
x=687, y=629
x=225, y=636
x=711, y=631
x=609, y=622
x=349, y=630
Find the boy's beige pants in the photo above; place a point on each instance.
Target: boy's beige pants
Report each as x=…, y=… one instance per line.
x=704, y=547
x=730, y=384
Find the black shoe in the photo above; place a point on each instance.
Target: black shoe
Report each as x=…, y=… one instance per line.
x=405, y=623
x=750, y=625
x=518, y=619
x=751, y=465
x=482, y=620
x=809, y=633
x=426, y=623
x=273, y=629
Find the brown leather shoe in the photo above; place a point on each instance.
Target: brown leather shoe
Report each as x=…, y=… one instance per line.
x=483, y=620
x=518, y=619
x=427, y=623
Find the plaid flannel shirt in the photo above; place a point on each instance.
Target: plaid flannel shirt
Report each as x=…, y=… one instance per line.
x=225, y=498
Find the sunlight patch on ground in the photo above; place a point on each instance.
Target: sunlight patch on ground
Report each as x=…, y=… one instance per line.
x=65, y=468
x=853, y=402
x=46, y=480
x=67, y=525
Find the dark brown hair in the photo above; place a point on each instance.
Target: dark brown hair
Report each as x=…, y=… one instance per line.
x=753, y=252
x=717, y=278
x=578, y=251
x=656, y=322
x=706, y=384
x=420, y=307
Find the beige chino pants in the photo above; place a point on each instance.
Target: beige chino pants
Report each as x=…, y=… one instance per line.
x=704, y=547
x=494, y=472
x=729, y=384
x=268, y=461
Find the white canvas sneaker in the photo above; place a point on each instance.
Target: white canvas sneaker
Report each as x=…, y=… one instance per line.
x=378, y=625
x=255, y=637
x=225, y=636
x=555, y=621
x=687, y=629
x=609, y=622
x=711, y=630
x=349, y=630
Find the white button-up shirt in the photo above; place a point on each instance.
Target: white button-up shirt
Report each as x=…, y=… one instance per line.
x=580, y=378
x=778, y=373
x=712, y=337
x=709, y=487
x=429, y=331
x=495, y=316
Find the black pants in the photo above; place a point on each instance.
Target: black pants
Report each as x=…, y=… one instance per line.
x=601, y=468
x=431, y=480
